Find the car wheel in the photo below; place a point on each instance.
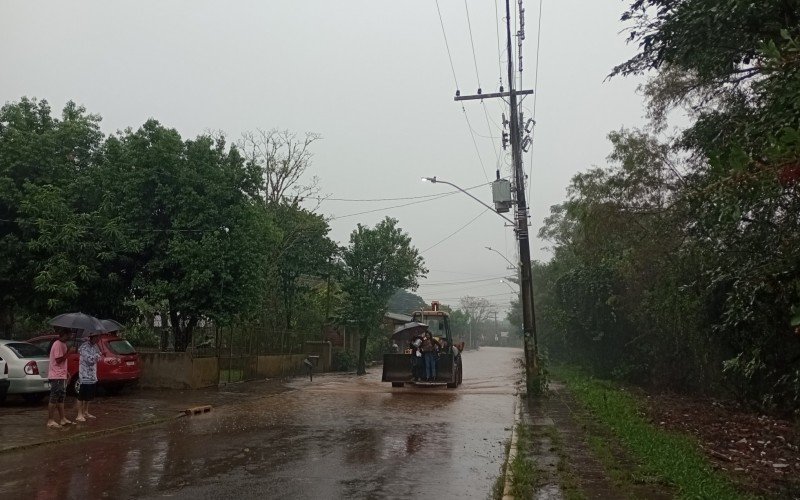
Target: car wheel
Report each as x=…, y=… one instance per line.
x=75, y=385
x=34, y=397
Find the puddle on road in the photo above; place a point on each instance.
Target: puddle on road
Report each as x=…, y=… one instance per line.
x=338, y=436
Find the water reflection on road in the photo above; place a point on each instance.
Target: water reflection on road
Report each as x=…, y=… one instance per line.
x=339, y=436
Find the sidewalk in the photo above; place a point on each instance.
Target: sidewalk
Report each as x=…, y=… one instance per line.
x=23, y=425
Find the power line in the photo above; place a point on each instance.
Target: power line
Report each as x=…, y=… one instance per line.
x=401, y=198
x=455, y=80
x=335, y=217
x=475, y=143
x=436, y=197
x=472, y=44
x=479, y=296
x=499, y=50
x=455, y=232
x=535, y=94
x=456, y=272
x=447, y=45
x=478, y=78
x=447, y=283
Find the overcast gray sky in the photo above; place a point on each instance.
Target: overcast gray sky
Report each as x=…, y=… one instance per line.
x=372, y=77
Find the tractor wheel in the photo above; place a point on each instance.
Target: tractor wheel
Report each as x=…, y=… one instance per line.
x=456, y=375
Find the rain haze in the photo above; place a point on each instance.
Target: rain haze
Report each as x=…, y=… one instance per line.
x=373, y=78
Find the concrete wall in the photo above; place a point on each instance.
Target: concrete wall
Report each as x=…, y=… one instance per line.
x=177, y=370
x=279, y=365
x=324, y=351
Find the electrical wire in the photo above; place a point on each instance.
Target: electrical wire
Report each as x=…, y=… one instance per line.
x=480, y=296
x=383, y=209
x=447, y=45
x=448, y=283
x=535, y=95
x=455, y=232
x=475, y=143
x=480, y=86
x=455, y=80
x=499, y=50
x=433, y=198
x=472, y=44
x=455, y=272
x=322, y=198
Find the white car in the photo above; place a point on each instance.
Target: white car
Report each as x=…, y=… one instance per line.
x=27, y=369
x=4, y=383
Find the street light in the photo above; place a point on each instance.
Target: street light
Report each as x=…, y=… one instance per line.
x=509, y=286
x=513, y=266
x=434, y=180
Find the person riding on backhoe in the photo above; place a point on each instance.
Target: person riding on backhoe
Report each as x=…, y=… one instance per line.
x=430, y=350
x=417, y=367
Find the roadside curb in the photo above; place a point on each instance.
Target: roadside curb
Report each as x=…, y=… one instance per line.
x=92, y=434
x=512, y=452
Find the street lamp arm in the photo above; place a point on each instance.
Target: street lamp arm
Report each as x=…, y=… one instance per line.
x=513, y=266
x=506, y=283
x=434, y=180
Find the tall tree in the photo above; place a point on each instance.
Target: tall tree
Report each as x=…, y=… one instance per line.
x=280, y=160
x=378, y=262
x=50, y=238
x=196, y=241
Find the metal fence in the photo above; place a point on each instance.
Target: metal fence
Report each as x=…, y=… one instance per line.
x=237, y=347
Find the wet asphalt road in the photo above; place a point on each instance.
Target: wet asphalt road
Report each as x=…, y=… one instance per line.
x=339, y=436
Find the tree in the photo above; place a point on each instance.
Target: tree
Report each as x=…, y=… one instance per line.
x=734, y=66
x=279, y=160
x=50, y=237
x=378, y=262
x=405, y=302
x=301, y=264
x=193, y=238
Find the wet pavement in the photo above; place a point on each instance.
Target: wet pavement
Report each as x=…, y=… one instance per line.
x=340, y=436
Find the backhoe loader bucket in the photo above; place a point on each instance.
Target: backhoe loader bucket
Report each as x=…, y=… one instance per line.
x=397, y=368
x=444, y=368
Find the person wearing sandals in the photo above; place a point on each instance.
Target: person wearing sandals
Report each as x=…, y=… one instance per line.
x=57, y=376
x=87, y=374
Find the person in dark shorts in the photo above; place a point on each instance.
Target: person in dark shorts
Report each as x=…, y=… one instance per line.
x=57, y=376
x=87, y=373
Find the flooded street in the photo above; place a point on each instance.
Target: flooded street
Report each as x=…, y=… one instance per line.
x=340, y=436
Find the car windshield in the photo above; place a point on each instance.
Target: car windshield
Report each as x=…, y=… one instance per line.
x=26, y=350
x=121, y=347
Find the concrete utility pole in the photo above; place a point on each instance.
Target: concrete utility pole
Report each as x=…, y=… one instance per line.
x=521, y=223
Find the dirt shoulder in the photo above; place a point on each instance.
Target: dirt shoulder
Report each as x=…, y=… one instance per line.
x=759, y=452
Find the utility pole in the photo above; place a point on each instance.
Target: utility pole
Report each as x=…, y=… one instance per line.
x=521, y=222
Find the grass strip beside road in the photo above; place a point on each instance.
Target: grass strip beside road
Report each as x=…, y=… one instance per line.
x=675, y=458
x=524, y=475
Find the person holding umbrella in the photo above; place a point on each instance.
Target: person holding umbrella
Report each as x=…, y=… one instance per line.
x=57, y=376
x=90, y=355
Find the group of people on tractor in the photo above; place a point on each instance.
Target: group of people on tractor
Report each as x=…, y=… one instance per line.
x=425, y=349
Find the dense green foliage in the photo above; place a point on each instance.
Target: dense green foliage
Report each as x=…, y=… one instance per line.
x=678, y=263
x=144, y=223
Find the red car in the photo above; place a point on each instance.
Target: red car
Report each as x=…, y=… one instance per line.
x=118, y=367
